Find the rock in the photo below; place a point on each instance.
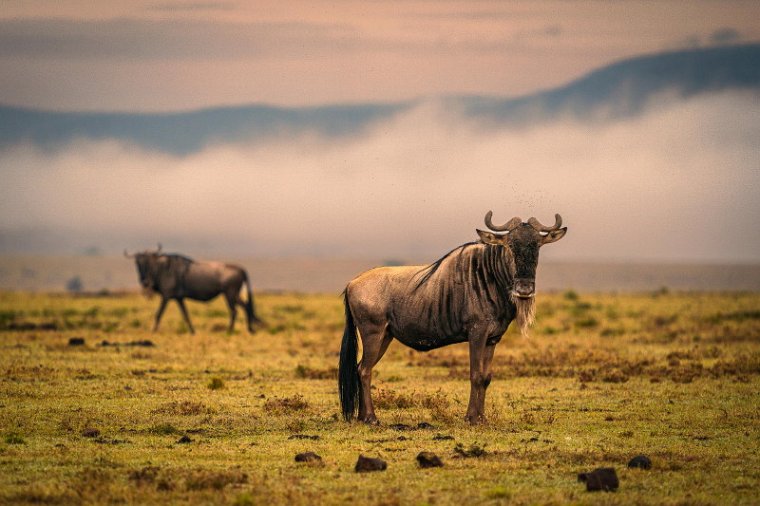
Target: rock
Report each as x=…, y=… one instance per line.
x=76, y=341
x=399, y=426
x=308, y=457
x=443, y=437
x=640, y=462
x=368, y=464
x=424, y=425
x=304, y=436
x=603, y=478
x=146, y=343
x=429, y=459
x=90, y=432
x=184, y=440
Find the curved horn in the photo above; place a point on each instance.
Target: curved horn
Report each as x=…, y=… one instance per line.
x=508, y=226
x=533, y=222
x=127, y=255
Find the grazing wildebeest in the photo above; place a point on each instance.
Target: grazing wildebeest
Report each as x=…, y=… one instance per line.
x=471, y=294
x=178, y=277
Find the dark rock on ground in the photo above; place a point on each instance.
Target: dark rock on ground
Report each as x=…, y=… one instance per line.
x=90, y=432
x=184, y=439
x=399, y=426
x=424, y=425
x=368, y=464
x=304, y=436
x=429, y=459
x=308, y=457
x=443, y=437
x=76, y=341
x=603, y=478
x=147, y=343
x=640, y=462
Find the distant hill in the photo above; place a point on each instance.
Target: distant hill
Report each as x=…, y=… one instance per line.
x=619, y=90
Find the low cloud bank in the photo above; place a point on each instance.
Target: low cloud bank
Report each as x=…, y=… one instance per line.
x=676, y=184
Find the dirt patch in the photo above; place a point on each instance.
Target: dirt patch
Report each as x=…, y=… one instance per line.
x=304, y=436
x=283, y=405
x=309, y=458
x=183, y=408
x=474, y=451
x=305, y=372
x=204, y=479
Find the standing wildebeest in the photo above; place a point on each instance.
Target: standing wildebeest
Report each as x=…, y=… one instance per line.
x=178, y=277
x=471, y=294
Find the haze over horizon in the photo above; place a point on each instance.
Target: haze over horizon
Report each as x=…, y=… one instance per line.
x=675, y=182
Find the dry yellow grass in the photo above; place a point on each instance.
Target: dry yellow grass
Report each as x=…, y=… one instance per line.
x=603, y=378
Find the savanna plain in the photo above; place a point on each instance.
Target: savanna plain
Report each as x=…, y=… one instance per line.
x=97, y=409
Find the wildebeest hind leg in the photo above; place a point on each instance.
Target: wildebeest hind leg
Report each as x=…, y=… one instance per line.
x=375, y=341
x=232, y=306
x=185, y=315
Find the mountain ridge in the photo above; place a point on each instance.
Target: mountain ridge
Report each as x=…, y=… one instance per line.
x=619, y=90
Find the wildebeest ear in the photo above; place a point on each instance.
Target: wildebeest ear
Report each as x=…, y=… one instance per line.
x=554, y=236
x=489, y=238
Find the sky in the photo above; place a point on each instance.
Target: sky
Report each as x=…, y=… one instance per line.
x=677, y=183
x=160, y=55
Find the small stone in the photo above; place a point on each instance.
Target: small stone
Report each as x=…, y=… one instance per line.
x=90, y=432
x=184, y=440
x=429, y=459
x=603, y=478
x=640, y=462
x=368, y=464
x=76, y=341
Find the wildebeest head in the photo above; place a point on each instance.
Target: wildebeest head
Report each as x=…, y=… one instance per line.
x=523, y=239
x=146, y=263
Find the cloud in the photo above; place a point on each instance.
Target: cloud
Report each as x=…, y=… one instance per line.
x=678, y=183
x=138, y=39
x=192, y=6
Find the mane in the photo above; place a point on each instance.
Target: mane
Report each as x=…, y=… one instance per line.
x=471, y=263
x=428, y=271
x=177, y=256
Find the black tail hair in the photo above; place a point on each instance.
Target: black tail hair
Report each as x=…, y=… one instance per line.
x=250, y=312
x=349, y=386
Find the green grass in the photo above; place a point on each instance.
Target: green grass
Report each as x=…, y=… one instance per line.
x=603, y=378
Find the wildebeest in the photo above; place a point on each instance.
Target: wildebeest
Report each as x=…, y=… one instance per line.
x=177, y=277
x=471, y=294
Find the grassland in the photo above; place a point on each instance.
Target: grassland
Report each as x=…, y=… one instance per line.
x=218, y=418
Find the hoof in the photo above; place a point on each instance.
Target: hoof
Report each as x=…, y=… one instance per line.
x=476, y=419
x=370, y=421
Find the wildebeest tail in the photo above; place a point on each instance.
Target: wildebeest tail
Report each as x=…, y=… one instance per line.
x=349, y=387
x=250, y=312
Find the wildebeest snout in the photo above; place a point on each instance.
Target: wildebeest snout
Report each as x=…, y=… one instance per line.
x=524, y=288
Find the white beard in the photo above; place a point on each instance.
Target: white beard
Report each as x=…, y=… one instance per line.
x=526, y=313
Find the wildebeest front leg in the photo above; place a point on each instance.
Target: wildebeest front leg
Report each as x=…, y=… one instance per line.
x=480, y=355
x=374, y=346
x=182, y=308
x=159, y=313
